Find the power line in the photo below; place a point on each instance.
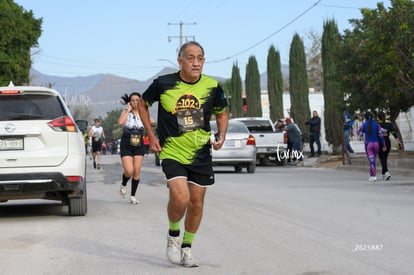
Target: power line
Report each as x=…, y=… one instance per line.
x=340, y=7
x=266, y=38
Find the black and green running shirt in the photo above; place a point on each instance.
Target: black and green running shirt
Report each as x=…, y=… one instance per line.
x=184, y=113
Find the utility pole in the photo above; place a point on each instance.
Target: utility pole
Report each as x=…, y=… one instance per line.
x=181, y=36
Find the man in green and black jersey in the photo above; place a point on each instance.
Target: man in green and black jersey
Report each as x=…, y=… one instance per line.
x=187, y=100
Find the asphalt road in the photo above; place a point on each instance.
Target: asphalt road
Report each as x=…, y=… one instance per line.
x=280, y=220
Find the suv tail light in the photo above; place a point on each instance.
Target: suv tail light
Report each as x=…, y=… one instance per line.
x=74, y=178
x=63, y=124
x=9, y=92
x=251, y=140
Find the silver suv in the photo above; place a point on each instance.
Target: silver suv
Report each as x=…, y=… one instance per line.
x=42, y=152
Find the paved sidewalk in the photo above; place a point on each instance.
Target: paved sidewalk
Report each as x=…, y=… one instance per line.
x=398, y=164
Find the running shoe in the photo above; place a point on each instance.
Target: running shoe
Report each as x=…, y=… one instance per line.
x=386, y=176
x=372, y=179
x=133, y=200
x=187, y=258
x=123, y=191
x=173, y=249
x=94, y=164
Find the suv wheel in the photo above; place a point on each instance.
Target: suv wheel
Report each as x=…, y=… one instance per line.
x=78, y=205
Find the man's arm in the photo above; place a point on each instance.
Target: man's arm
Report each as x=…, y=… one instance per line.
x=146, y=120
x=313, y=121
x=222, y=124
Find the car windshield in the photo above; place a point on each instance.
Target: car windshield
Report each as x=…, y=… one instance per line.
x=30, y=107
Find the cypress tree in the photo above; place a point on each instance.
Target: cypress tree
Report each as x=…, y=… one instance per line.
x=274, y=84
x=298, y=86
x=253, y=93
x=332, y=94
x=236, y=107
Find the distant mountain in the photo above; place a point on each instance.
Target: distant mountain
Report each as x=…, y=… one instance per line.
x=71, y=85
x=103, y=91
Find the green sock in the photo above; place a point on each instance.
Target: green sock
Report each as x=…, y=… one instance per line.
x=188, y=239
x=174, y=228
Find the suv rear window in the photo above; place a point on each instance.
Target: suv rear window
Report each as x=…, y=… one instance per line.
x=30, y=107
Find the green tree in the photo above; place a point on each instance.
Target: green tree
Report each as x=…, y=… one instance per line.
x=298, y=85
x=110, y=125
x=332, y=93
x=253, y=91
x=377, y=57
x=19, y=32
x=236, y=107
x=275, y=84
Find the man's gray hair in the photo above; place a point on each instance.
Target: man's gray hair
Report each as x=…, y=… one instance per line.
x=185, y=45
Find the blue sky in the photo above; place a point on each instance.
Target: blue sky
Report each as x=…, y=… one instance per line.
x=129, y=38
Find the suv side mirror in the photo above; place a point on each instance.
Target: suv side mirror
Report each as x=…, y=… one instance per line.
x=82, y=124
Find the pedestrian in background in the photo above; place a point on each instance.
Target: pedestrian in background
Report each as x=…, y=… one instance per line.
x=97, y=134
x=132, y=144
x=88, y=144
x=186, y=101
x=280, y=126
x=294, y=140
x=372, y=131
x=348, y=133
x=146, y=144
x=315, y=133
x=387, y=131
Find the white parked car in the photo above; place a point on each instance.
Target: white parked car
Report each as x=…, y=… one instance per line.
x=42, y=151
x=239, y=149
